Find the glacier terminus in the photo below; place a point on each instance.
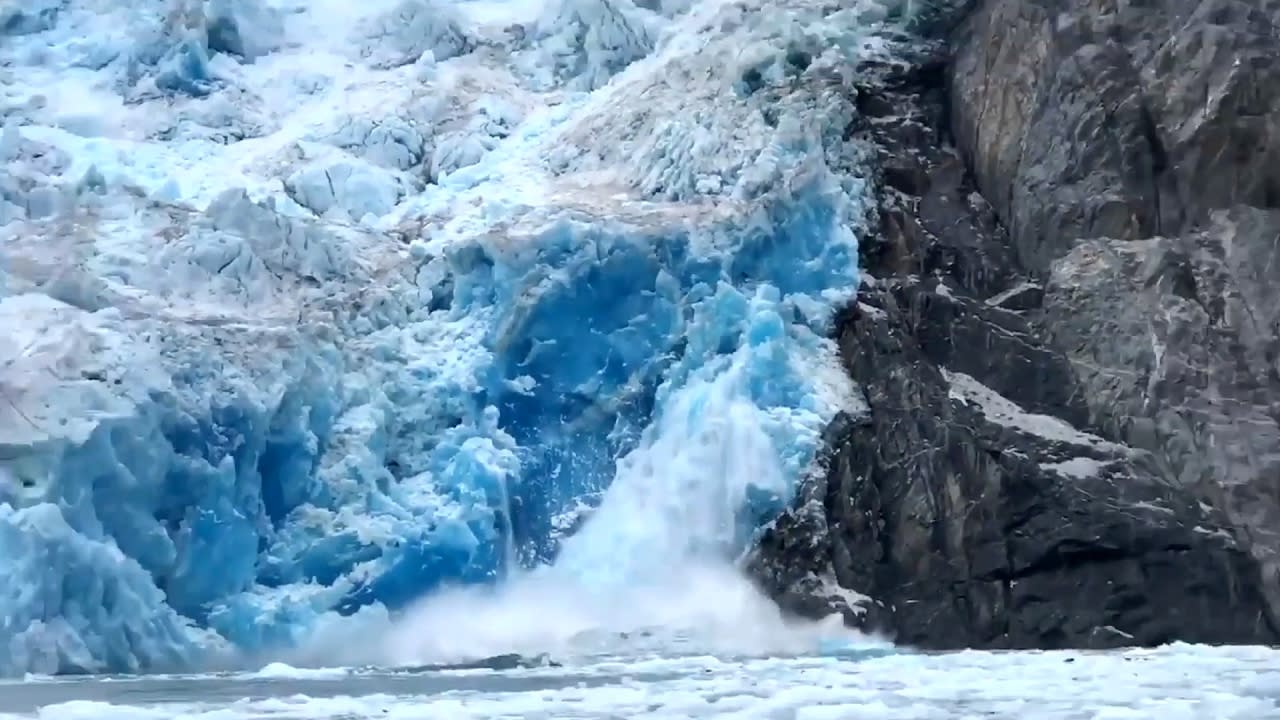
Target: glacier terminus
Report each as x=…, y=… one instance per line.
x=311, y=309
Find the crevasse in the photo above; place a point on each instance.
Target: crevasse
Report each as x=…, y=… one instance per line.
x=298, y=326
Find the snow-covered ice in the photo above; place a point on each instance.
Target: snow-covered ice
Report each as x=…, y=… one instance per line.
x=311, y=308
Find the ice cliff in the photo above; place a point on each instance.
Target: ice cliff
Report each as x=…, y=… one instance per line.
x=307, y=308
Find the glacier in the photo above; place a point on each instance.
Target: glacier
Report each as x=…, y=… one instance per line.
x=309, y=310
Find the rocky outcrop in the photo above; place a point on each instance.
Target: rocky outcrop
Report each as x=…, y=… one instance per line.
x=974, y=520
x=1067, y=340
x=1117, y=118
x=1175, y=343
x=1133, y=151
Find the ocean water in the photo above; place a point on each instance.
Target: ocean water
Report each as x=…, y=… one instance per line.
x=1175, y=683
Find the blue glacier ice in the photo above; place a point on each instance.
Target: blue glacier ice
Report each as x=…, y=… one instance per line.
x=310, y=310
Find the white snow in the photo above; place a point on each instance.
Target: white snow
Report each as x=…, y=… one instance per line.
x=1002, y=411
x=1077, y=467
x=1000, y=298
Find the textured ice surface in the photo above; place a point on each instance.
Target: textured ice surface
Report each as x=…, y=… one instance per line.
x=307, y=308
x=1179, y=683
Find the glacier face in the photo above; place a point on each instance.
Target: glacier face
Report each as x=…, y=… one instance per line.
x=310, y=309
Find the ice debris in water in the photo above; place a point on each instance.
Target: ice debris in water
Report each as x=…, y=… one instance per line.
x=308, y=308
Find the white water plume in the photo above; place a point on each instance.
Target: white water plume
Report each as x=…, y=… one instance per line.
x=651, y=570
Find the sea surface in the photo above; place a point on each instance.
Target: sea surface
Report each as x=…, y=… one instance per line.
x=1195, y=683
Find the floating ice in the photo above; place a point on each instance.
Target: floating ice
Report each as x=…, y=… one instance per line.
x=293, y=338
x=1178, y=683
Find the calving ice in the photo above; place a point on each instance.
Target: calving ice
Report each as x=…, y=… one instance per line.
x=300, y=329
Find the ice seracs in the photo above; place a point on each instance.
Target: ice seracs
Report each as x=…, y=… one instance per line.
x=306, y=345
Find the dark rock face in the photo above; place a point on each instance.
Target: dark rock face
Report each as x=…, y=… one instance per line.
x=978, y=522
x=1134, y=155
x=1175, y=343
x=1071, y=438
x=1117, y=118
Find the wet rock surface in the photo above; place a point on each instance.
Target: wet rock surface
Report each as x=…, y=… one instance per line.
x=1066, y=339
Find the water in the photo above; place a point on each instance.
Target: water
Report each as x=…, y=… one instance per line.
x=1169, y=684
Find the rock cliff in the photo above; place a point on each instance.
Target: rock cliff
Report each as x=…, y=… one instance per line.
x=1067, y=340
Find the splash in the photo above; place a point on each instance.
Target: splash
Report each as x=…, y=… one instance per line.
x=652, y=571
